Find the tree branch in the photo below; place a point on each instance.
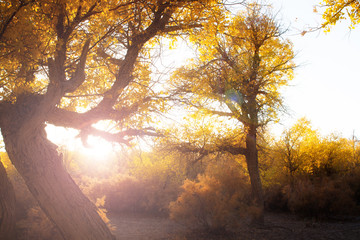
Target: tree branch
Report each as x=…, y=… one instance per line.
x=65, y=118
x=189, y=148
x=123, y=137
x=79, y=76
x=124, y=75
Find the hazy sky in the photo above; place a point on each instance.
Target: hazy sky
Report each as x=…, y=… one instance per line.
x=326, y=88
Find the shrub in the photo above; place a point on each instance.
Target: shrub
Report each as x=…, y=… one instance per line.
x=274, y=198
x=215, y=203
x=321, y=199
x=124, y=193
x=352, y=179
x=121, y=192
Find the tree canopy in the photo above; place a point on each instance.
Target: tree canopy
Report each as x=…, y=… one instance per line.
x=240, y=59
x=74, y=64
x=337, y=10
x=89, y=56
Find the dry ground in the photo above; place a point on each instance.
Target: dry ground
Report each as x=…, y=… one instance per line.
x=278, y=226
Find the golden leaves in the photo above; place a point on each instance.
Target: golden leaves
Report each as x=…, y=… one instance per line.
x=245, y=55
x=301, y=149
x=59, y=30
x=340, y=9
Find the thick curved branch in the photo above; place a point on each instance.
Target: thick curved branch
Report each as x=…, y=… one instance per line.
x=189, y=148
x=83, y=121
x=65, y=118
x=111, y=137
x=175, y=28
x=123, y=137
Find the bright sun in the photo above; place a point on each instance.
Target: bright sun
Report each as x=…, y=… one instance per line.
x=98, y=149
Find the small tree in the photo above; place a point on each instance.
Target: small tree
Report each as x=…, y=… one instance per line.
x=292, y=146
x=242, y=65
x=216, y=200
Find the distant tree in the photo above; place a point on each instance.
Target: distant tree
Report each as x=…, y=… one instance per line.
x=290, y=149
x=301, y=150
x=242, y=65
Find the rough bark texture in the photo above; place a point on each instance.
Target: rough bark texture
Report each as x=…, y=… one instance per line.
x=7, y=206
x=253, y=168
x=39, y=163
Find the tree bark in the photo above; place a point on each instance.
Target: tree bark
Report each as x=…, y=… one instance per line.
x=7, y=206
x=253, y=168
x=39, y=163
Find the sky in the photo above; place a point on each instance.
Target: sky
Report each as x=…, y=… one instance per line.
x=326, y=87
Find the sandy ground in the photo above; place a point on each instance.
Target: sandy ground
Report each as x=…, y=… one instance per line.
x=137, y=227
x=278, y=226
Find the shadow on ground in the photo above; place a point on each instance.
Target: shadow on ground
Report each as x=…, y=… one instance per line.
x=277, y=227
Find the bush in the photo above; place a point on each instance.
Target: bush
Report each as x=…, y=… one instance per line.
x=352, y=179
x=124, y=193
x=321, y=199
x=215, y=203
x=120, y=192
x=274, y=198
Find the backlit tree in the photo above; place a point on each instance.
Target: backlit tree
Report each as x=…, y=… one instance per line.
x=73, y=64
x=243, y=63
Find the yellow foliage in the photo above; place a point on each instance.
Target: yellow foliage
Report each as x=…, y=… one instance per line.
x=215, y=201
x=100, y=203
x=337, y=10
x=43, y=30
x=310, y=174
x=5, y=160
x=240, y=59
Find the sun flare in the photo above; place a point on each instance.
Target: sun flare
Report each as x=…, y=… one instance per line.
x=96, y=149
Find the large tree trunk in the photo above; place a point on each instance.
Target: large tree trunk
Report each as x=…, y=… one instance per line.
x=253, y=168
x=39, y=163
x=7, y=206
